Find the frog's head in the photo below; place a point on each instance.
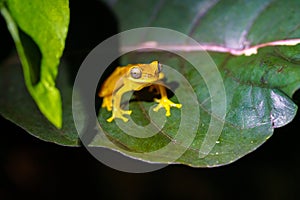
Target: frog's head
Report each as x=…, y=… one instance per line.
x=145, y=73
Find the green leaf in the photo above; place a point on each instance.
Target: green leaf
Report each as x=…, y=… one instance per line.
x=17, y=105
x=258, y=87
x=39, y=29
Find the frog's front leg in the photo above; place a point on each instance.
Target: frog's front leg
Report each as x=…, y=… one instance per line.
x=117, y=112
x=164, y=102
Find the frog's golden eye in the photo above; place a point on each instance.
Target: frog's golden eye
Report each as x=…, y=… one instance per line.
x=159, y=67
x=136, y=72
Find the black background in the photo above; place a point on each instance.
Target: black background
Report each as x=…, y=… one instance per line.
x=40, y=170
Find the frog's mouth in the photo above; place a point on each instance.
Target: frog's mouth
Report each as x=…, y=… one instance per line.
x=153, y=77
x=146, y=80
x=149, y=78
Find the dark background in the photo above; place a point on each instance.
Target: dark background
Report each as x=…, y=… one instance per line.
x=40, y=170
x=31, y=168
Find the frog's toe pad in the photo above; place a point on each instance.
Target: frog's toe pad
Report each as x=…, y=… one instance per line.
x=107, y=103
x=167, y=104
x=119, y=114
x=126, y=112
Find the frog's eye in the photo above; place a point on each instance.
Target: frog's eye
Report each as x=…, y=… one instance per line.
x=136, y=72
x=159, y=67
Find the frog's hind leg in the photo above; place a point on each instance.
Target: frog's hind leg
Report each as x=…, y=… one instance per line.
x=107, y=102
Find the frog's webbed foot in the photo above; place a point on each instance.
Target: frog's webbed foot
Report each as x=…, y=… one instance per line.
x=164, y=102
x=118, y=113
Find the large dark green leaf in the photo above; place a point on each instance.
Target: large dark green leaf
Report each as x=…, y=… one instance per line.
x=258, y=87
x=40, y=44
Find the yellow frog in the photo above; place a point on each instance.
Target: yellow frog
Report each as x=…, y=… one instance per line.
x=133, y=77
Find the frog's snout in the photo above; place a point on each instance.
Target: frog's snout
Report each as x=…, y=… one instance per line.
x=150, y=76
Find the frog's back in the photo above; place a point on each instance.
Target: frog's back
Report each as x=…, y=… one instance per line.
x=109, y=84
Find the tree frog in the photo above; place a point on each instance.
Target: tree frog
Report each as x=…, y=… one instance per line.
x=133, y=77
